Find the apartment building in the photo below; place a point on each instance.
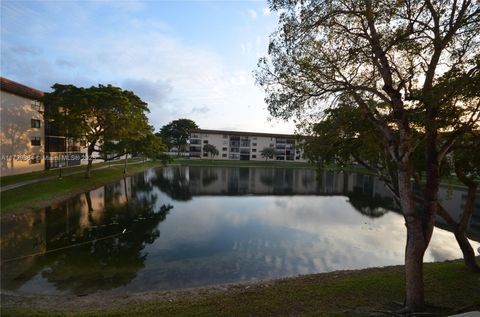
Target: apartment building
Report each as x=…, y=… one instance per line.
x=235, y=145
x=28, y=143
x=22, y=133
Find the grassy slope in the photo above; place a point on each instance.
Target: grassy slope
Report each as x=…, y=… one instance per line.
x=449, y=289
x=12, y=179
x=235, y=163
x=37, y=195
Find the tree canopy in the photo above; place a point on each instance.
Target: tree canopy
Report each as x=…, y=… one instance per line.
x=176, y=133
x=380, y=80
x=211, y=150
x=106, y=117
x=267, y=153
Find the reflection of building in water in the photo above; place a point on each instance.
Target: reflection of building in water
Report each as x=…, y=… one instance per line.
x=262, y=181
x=235, y=145
x=366, y=193
x=69, y=245
x=454, y=200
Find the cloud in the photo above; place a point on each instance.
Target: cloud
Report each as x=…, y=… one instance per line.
x=64, y=62
x=149, y=90
x=176, y=78
x=266, y=11
x=200, y=110
x=252, y=13
x=25, y=50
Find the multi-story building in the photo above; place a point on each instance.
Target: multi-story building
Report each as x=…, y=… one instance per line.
x=22, y=128
x=234, y=145
x=28, y=143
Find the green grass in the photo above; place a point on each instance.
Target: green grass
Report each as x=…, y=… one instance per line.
x=13, y=179
x=237, y=163
x=449, y=288
x=37, y=195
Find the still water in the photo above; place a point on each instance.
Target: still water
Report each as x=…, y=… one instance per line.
x=180, y=227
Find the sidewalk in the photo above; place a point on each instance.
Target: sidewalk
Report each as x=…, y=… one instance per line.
x=64, y=174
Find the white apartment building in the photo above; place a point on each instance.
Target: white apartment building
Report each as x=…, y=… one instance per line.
x=235, y=145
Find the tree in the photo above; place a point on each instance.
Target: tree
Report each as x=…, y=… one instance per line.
x=211, y=150
x=332, y=141
x=147, y=145
x=98, y=115
x=177, y=133
x=267, y=153
x=404, y=67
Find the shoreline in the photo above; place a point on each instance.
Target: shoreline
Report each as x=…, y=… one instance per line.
x=360, y=288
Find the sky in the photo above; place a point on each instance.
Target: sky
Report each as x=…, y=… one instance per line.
x=186, y=59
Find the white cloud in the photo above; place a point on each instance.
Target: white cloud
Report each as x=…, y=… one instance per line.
x=266, y=11
x=252, y=13
x=175, y=78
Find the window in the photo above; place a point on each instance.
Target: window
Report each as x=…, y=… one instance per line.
x=254, y=138
x=254, y=150
x=225, y=136
x=225, y=149
x=254, y=144
x=35, y=123
x=205, y=154
x=224, y=155
x=254, y=156
x=36, y=105
x=205, y=141
x=35, y=140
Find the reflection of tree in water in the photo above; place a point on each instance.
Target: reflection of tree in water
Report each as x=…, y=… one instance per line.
x=266, y=177
x=372, y=206
x=364, y=199
x=210, y=175
x=174, y=184
x=100, y=263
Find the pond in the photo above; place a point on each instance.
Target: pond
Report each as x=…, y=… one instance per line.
x=181, y=227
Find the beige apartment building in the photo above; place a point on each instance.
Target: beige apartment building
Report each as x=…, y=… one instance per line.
x=28, y=143
x=234, y=145
x=22, y=133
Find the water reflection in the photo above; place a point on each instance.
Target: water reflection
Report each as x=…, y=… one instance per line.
x=229, y=225
x=92, y=242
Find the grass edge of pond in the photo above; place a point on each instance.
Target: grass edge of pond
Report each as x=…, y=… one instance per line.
x=45, y=193
x=449, y=289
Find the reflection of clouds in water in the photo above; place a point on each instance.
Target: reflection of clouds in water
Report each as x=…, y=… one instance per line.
x=280, y=236
x=444, y=246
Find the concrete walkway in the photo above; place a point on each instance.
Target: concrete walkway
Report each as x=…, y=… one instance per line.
x=47, y=178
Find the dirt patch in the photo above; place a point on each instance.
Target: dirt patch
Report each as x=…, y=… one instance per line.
x=101, y=300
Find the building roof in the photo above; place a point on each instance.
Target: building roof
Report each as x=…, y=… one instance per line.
x=243, y=133
x=19, y=89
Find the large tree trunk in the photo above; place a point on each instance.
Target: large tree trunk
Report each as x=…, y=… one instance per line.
x=416, y=244
x=467, y=250
x=90, y=150
x=460, y=228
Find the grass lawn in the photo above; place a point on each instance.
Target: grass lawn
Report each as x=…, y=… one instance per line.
x=237, y=163
x=12, y=179
x=44, y=193
x=449, y=289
